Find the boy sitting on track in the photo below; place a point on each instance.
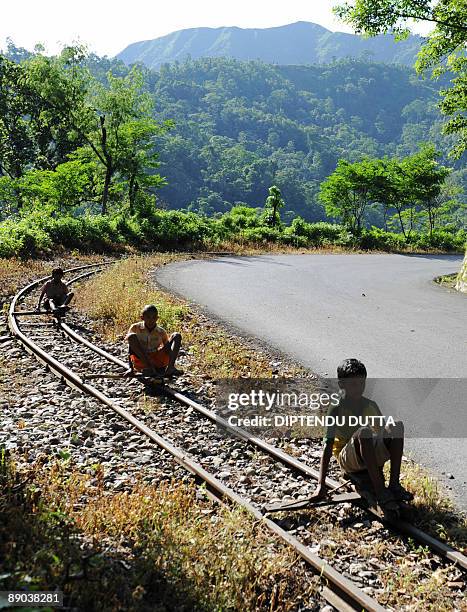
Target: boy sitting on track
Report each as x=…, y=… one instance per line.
x=363, y=449
x=152, y=352
x=57, y=296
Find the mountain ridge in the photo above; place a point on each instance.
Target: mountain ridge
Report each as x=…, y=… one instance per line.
x=301, y=42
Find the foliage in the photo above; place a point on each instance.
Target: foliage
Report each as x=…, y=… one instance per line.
x=272, y=207
x=40, y=232
x=62, y=530
x=67, y=137
x=443, y=51
x=410, y=188
x=86, y=134
x=349, y=190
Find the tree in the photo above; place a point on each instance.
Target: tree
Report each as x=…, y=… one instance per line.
x=17, y=142
x=415, y=184
x=111, y=120
x=122, y=134
x=274, y=203
x=443, y=51
x=349, y=191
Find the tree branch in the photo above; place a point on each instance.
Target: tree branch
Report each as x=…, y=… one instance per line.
x=432, y=20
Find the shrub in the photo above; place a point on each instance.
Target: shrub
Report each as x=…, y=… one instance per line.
x=379, y=239
x=442, y=239
x=261, y=234
x=318, y=234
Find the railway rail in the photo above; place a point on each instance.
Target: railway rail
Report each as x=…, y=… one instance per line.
x=339, y=591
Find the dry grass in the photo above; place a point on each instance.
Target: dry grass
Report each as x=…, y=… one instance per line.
x=16, y=273
x=153, y=548
x=412, y=578
x=434, y=511
x=115, y=299
x=243, y=247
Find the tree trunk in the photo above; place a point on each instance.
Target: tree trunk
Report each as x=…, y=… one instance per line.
x=461, y=284
x=105, y=193
x=402, y=224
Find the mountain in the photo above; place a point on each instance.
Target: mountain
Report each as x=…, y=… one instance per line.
x=296, y=43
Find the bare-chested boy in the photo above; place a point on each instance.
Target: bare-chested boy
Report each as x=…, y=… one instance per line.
x=152, y=351
x=56, y=292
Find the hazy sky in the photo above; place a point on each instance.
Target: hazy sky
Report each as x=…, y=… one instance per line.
x=107, y=26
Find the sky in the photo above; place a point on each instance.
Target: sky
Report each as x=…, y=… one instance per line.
x=108, y=26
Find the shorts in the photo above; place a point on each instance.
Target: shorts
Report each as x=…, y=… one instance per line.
x=349, y=459
x=56, y=302
x=158, y=359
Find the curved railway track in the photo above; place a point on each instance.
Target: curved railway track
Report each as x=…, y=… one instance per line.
x=338, y=590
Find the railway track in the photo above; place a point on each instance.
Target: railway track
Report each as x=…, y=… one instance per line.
x=339, y=591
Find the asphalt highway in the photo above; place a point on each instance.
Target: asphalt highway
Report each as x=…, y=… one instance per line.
x=383, y=309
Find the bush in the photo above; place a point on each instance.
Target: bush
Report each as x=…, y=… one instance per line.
x=239, y=218
x=378, y=239
x=261, y=234
x=40, y=230
x=317, y=234
x=444, y=240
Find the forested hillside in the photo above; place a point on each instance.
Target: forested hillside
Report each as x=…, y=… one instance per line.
x=242, y=126
x=295, y=43
x=92, y=152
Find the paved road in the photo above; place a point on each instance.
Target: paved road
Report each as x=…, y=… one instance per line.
x=383, y=309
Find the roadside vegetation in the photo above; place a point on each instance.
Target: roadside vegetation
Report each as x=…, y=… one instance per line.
x=240, y=229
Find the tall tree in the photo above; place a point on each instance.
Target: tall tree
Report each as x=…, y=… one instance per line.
x=121, y=132
x=413, y=184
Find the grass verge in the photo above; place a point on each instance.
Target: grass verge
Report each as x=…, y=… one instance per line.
x=115, y=299
x=448, y=280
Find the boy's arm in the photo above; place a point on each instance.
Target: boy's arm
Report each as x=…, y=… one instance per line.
x=44, y=289
x=136, y=347
x=323, y=469
x=165, y=341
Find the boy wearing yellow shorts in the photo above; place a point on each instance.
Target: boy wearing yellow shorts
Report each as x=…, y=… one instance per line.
x=363, y=449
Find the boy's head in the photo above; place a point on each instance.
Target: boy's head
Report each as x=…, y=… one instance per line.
x=150, y=314
x=57, y=274
x=352, y=377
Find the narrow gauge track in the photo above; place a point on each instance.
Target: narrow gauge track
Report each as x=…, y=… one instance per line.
x=341, y=592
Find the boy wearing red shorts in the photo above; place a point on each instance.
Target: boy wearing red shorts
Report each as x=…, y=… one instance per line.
x=152, y=351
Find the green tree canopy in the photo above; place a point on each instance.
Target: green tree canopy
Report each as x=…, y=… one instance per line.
x=444, y=49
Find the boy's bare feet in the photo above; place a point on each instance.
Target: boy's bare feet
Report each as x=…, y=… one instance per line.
x=387, y=503
x=400, y=494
